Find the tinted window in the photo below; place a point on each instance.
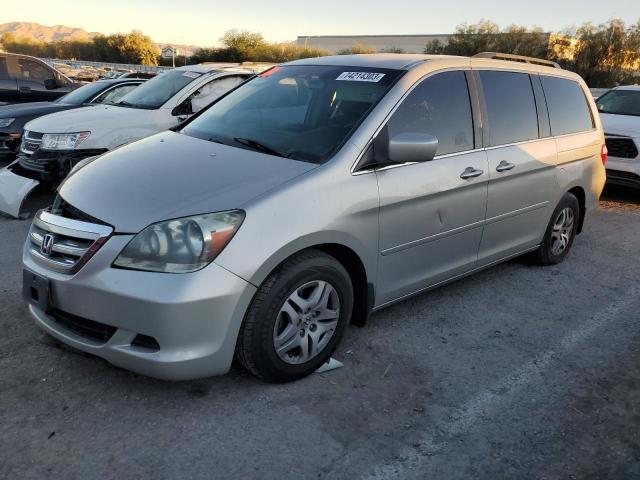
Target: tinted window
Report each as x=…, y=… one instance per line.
x=620, y=102
x=511, y=107
x=30, y=70
x=568, y=106
x=83, y=94
x=439, y=106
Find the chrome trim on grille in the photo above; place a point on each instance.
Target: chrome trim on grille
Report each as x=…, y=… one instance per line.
x=74, y=241
x=30, y=142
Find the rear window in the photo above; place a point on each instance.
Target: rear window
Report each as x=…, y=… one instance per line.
x=511, y=107
x=568, y=108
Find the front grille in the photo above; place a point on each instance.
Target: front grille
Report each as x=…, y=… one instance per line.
x=64, y=245
x=84, y=327
x=621, y=147
x=30, y=142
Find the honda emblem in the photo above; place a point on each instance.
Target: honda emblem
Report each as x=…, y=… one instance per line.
x=47, y=244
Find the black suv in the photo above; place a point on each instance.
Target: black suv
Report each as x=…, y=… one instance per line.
x=28, y=79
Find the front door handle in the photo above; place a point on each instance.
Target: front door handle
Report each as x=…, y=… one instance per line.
x=503, y=166
x=25, y=89
x=470, y=172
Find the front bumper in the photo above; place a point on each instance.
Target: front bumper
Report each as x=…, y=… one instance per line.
x=195, y=318
x=9, y=144
x=51, y=167
x=624, y=172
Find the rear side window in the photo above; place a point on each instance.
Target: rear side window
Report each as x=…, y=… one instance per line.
x=439, y=106
x=511, y=107
x=568, y=107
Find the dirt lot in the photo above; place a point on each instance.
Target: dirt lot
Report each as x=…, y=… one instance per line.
x=517, y=372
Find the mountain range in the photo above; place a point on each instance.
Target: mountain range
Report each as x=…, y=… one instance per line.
x=43, y=33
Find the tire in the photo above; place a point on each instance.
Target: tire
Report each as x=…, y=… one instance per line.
x=282, y=325
x=559, y=236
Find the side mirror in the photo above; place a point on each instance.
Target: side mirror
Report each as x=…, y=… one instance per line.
x=50, y=84
x=412, y=147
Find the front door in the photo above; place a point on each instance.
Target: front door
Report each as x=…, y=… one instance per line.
x=431, y=213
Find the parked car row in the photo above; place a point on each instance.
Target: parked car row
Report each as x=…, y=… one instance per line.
x=14, y=117
x=213, y=213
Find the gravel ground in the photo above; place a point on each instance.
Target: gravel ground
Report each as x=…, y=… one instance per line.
x=516, y=372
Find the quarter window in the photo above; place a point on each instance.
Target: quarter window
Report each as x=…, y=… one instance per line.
x=568, y=108
x=4, y=73
x=511, y=107
x=439, y=106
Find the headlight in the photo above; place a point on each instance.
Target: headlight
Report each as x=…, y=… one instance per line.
x=63, y=141
x=182, y=245
x=5, y=122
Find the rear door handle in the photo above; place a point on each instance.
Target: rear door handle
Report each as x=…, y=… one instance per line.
x=25, y=89
x=503, y=166
x=470, y=172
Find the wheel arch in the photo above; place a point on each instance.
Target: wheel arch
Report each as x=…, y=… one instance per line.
x=344, y=250
x=580, y=194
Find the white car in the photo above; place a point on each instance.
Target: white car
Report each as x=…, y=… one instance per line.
x=53, y=144
x=620, y=112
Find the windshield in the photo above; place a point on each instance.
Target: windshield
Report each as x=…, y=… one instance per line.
x=155, y=92
x=620, y=102
x=83, y=94
x=299, y=112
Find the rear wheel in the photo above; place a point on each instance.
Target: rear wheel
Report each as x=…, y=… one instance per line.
x=561, y=232
x=297, y=318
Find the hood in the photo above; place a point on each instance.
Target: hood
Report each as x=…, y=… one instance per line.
x=171, y=175
x=32, y=108
x=23, y=112
x=627, y=125
x=85, y=118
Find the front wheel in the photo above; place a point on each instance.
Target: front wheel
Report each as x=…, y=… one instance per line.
x=297, y=318
x=561, y=232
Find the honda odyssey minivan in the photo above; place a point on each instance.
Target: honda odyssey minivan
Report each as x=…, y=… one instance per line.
x=314, y=194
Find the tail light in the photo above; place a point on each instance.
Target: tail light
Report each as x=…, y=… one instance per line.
x=603, y=154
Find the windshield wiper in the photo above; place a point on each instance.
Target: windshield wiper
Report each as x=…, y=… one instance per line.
x=260, y=147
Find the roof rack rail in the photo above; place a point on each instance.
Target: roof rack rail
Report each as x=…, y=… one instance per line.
x=517, y=58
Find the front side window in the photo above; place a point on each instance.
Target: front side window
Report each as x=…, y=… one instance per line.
x=155, y=93
x=81, y=95
x=620, y=102
x=511, y=107
x=568, y=108
x=439, y=106
x=299, y=112
x=115, y=94
x=31, y=70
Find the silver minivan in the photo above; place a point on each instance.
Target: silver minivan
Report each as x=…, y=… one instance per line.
x=312, y=195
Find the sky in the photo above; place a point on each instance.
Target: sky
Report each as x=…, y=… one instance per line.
x=202, y=22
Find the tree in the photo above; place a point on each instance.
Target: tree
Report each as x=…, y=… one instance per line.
x=356, y=49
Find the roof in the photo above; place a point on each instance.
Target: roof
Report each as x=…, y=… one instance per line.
x=628, y=87
x=396, y=61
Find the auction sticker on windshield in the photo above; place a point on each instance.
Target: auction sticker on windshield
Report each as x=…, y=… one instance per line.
x=361, y=76
x=191, y=74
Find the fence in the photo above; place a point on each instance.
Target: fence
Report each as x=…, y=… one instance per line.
x=106, y=65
